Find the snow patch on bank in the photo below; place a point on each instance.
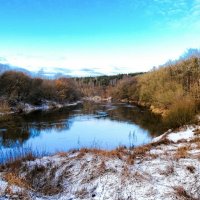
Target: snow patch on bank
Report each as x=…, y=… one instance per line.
x=47, y=105
x=152, y=171
x=187, y=134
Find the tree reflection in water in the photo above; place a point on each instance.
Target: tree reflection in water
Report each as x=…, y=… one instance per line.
x=17, y=131
x=21, y=128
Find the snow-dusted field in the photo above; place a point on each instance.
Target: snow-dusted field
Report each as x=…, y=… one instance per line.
x=167, y=168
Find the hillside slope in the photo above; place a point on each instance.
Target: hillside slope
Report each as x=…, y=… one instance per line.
x=166, y=169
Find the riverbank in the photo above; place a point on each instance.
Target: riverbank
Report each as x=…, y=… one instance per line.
x=28, y=108
x=153, y=109
x=167, y=168
x=158, y=111
x=98, y=99
x=181, y=113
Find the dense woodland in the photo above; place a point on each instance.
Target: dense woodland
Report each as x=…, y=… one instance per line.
x=101, y=85
x=18, y=87
x=172, y=89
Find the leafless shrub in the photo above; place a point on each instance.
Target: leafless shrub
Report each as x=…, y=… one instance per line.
x=168, y=171
x=153, y=155
x=116, y=153
x=138, y=176
x=195, y=140
x=182, y=194
x=191, y=168
x=14, y=163
x=82, y=193
x=102, y=167
x=43, y=179
x=125, y=173
x=197, y=131
x=130, y=159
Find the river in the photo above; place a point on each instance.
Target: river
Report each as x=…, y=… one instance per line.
x=88, y=124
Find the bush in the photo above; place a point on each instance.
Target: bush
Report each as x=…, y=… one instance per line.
x=181, y=113
x=127, y=89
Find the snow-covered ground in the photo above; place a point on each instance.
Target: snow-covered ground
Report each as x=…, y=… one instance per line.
x=168, y=168
x=46, y=105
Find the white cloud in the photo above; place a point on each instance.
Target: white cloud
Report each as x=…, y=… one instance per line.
x=114, y=62
x=177, y=15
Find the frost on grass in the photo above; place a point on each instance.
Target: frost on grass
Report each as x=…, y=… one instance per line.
x=168, y=168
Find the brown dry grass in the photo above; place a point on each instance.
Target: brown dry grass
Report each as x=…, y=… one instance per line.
x=197, y=132
x=14, y=164
x=62, y=154
x=117, y=153
x=130, y=160
x=14, y=179
x=198, y=145
x=123, y=153
x=141, y=151
x=182, y=152
x=195, y=140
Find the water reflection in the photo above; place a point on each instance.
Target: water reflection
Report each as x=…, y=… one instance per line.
x=88, y=124
x=18, y=130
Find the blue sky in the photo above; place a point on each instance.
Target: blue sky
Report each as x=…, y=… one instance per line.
x=96, y=36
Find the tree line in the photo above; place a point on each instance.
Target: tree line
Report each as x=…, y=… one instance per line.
x=101, y=85
x=173, y=89
x=18, y=87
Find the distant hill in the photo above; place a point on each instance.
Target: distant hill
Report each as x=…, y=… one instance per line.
x=101, y=79
x=41, y=73
x=6, y=67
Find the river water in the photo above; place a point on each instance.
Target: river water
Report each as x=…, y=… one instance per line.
x=92, y=125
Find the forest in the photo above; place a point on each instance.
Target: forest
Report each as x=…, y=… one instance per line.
x=18, y=87
x=172, y=90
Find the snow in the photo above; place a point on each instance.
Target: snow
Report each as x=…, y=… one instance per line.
x=3, y=185
x=47, y=105
x=187, y=134
x=156, y=139
x=93, y=175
